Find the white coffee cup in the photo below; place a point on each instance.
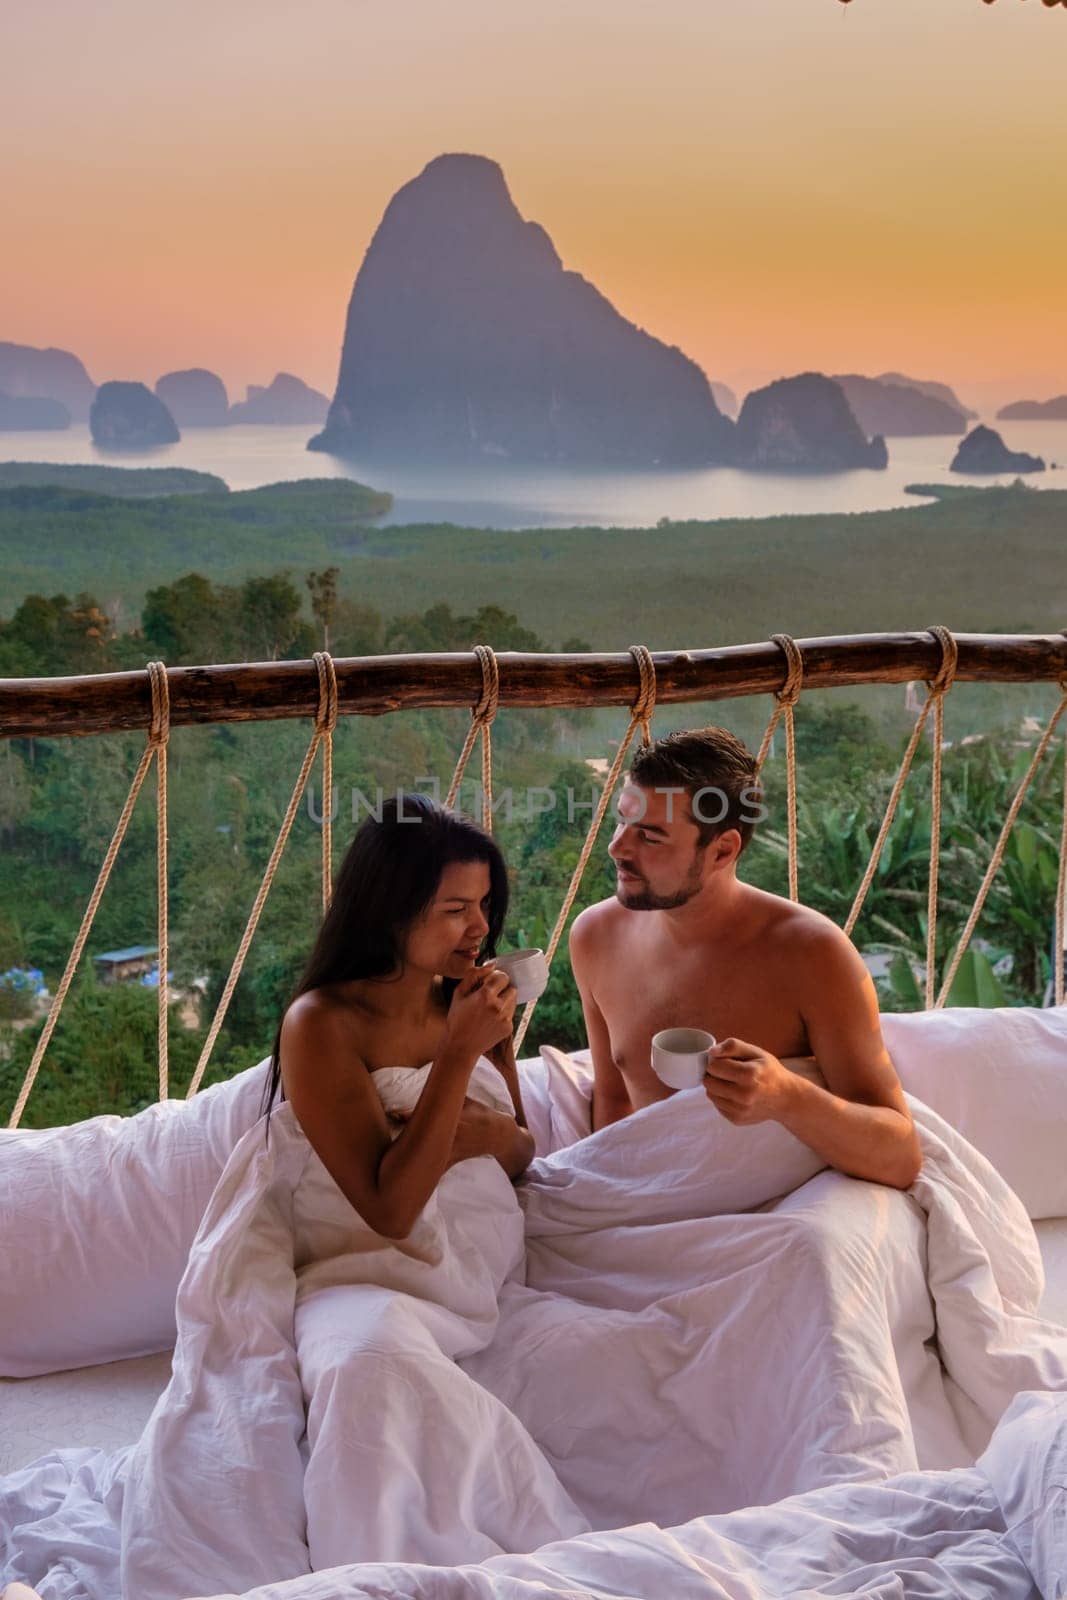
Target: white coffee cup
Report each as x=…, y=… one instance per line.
x=528, y=971
x=680, y=1056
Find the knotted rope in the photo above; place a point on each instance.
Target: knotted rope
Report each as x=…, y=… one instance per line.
x=482, y=717
x=325, y=721
x=640, y=717
x=158, y=735
x=156, y=747
x=328, y=687
x=937, y=688
x=1061, y=896
x=1001, y=846
x=785, y=701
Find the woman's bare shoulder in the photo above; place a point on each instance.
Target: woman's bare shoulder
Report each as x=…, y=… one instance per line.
x=317, y=1028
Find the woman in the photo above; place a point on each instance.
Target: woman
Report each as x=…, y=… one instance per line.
x=318, y=1414
x=392, y=985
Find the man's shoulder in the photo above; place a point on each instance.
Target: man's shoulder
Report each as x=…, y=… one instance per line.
x=803, y=929
x=597, y=922
x=602, y=914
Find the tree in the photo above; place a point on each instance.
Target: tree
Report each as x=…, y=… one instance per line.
x=185, y=622
x=267, y=616
x=322, y=587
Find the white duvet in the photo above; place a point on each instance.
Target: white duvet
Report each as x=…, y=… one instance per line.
x=338, y=1400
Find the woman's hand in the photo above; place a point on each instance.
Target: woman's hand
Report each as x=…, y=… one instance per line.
x=481, y=1131
x=481, y=1012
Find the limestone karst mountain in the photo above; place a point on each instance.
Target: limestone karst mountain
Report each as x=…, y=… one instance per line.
x=725, y=399
x=285, y=400
x=937, y=391
x=128, y=416
x=467, y=338
x=1054, y=410
x=898, y=410
x=29, y=373
x=984, y=451
x=804, y=424
x=32, y=412
x=195, y=398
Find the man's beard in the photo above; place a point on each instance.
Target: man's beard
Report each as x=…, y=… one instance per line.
x=647, y=900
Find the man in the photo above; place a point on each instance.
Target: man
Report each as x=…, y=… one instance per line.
x=685, y=943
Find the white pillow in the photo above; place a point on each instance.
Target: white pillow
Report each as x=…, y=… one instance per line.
x=96, y=1223
x=999, y=1076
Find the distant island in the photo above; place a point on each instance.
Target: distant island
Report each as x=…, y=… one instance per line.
x=804, y=424
x=195, y=398
x=50, y=389
x=128, y=416
x=21, y=413
x=984, y=451
x=725, y=399
x=1054, y=410
x=285, y=400
x=899, y=410
x=936, y=391
x=29, y=373
x=468, y=339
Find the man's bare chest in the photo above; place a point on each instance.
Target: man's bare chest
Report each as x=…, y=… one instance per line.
x=732, y=998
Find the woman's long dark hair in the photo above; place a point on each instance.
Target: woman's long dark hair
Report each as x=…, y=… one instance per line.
x=389, y=875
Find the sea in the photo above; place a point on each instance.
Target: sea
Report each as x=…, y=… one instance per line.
x=496, y=494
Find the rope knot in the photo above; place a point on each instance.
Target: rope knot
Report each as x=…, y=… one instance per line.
x=326, y=715
x=489, y=702
x=789, y=693
x=946, y=673
x=159, y=727
x=645, y=705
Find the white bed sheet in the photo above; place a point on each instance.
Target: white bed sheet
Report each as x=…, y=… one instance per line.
x=109, y=1405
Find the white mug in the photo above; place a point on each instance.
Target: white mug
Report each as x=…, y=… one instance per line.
x=680, y=1056
x=528, y=971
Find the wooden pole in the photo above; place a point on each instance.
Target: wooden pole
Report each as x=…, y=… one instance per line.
x=111, y=702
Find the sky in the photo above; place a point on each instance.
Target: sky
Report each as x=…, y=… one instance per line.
x=774, y=185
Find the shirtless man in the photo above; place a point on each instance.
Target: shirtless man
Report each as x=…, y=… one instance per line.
x=685, y=943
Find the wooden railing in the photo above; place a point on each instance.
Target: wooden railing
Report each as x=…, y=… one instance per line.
x=374, y=685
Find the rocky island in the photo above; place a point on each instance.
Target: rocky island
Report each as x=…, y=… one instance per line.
x=1035, y=410
x=725, y=399
x=128, y=416
x=804, y=424
x=31, y=412
x=29, y=373
x=897, y=409
x=984, y=451
x=468, y=339
x=936, y=391
x=285, y=400
x=195, y=398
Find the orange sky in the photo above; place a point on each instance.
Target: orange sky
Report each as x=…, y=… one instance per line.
x=773, y=185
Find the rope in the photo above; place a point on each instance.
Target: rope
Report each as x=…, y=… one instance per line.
x=325, y=718
x=159, y=729
x=937, y=692
x=1061, y=896
x=640, y=717
x=937, y=688
x=482, y=716
x=328, y=718
x=1001, y=845
x=159, y=733
x=785, y=700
